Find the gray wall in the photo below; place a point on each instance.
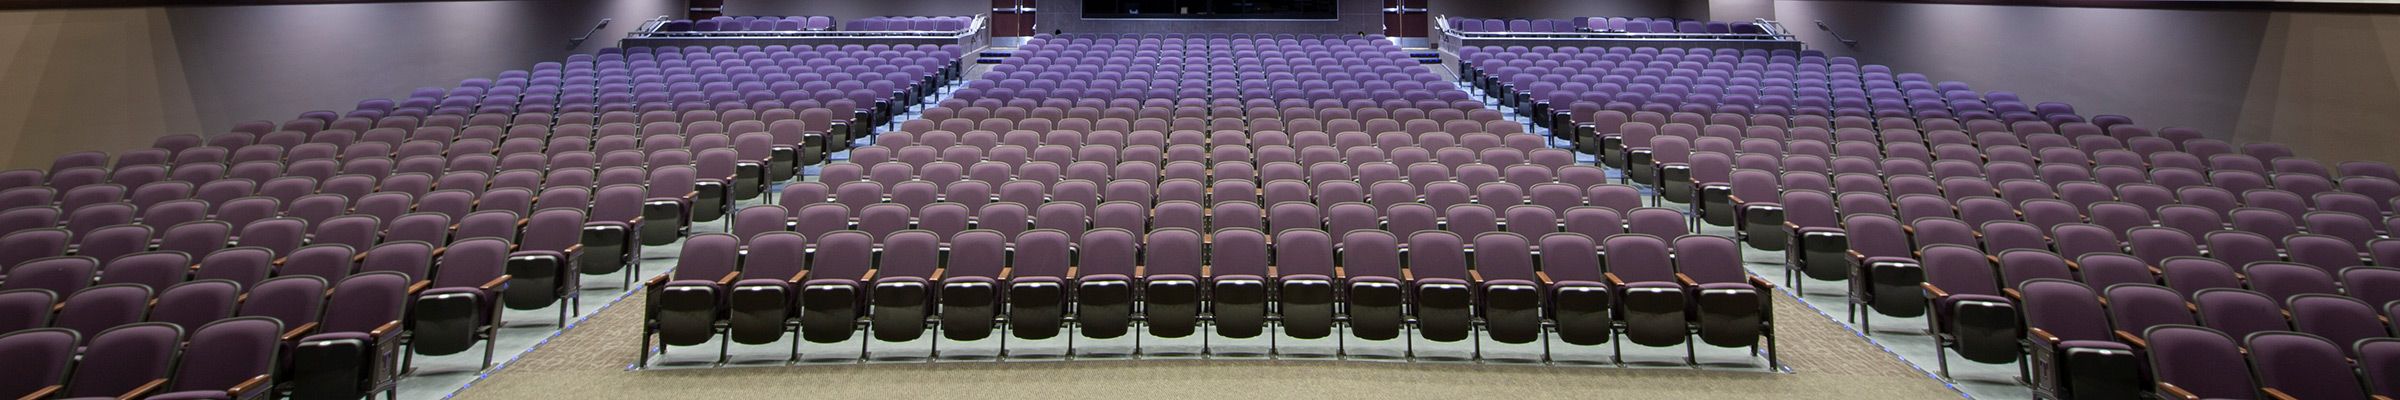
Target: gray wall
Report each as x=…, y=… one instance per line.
x=273, y=62
x=1354, y=16
x=2323, y=83
x=845, y=10
x=113, y=79
x=2162, y=67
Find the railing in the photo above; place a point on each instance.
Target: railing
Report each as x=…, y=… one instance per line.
x=1771, y=30
x=649, y=29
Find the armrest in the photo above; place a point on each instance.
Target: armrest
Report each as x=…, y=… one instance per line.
x=2045, y=336
x=2277, y=394
x=2074, y=266
x=1933, y=291
x=1761, y=283
x=413, y=288
x=1790, y=226
x=937, y=274
x=361, y=257
x=144, y=390
x=690, y=195
x=1855, y=255
x=1545, y=276
x=1478, y=275
x=572, y=249
x=1005, y=272
x=870, y=275
x=2131, y=340
x=253, y=384
x=728, y=279
x=1613, y=280
x=1735, y=199
x=637, y=219
x=47, y=391
x=295, y=333
x=279, y=260
x=657, y=281
x=797, y=278
x=494, y=284
x=2013, y=294
x=1686, y=280
x=2168, y=390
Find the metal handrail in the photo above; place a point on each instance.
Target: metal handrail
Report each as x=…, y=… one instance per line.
x=650, y=30
x=1772, y=30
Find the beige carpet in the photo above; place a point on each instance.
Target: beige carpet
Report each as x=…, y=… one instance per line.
x=589, y=362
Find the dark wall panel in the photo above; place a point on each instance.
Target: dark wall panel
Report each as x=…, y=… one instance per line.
x=2161, y=67
x=1560, y=9
x=845, y=10
x=274, y=62
x=1355, y=16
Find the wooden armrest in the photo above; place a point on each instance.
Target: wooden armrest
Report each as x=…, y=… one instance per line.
x=1933, y=291
x=413, y=288
x=1613, y=280
x=1761, y=283
x=45, y=393
x=797, y=278
x=1545, y=276
x=2379, y=397
x=494, y=284
x=1339, y=273
x=2045, y=336
x=937, y=274
x=361, y=257
x=437, y=252
x=253, y=384
x=1407, y=276
x=1478, y=275
x=144, y=390
x=870, y=275
x=196, y=267
x=571, y=249
x=1790, y=225
x=2131, y=340
x=279, y=260
x=2168, y=390
x=691, y=195
x=295, y=333
x=1736, y=199
x=1855, y=255
x=2277, y=394
x=2154, y=271
x=1995, y=260
x=658, y=281
x=522, y=221
x=1006, y=271
x=2074, y=266
x=728, y=279
x=2013, y=294
x=637, y=219
x=453, y=227
x=1686, y=280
